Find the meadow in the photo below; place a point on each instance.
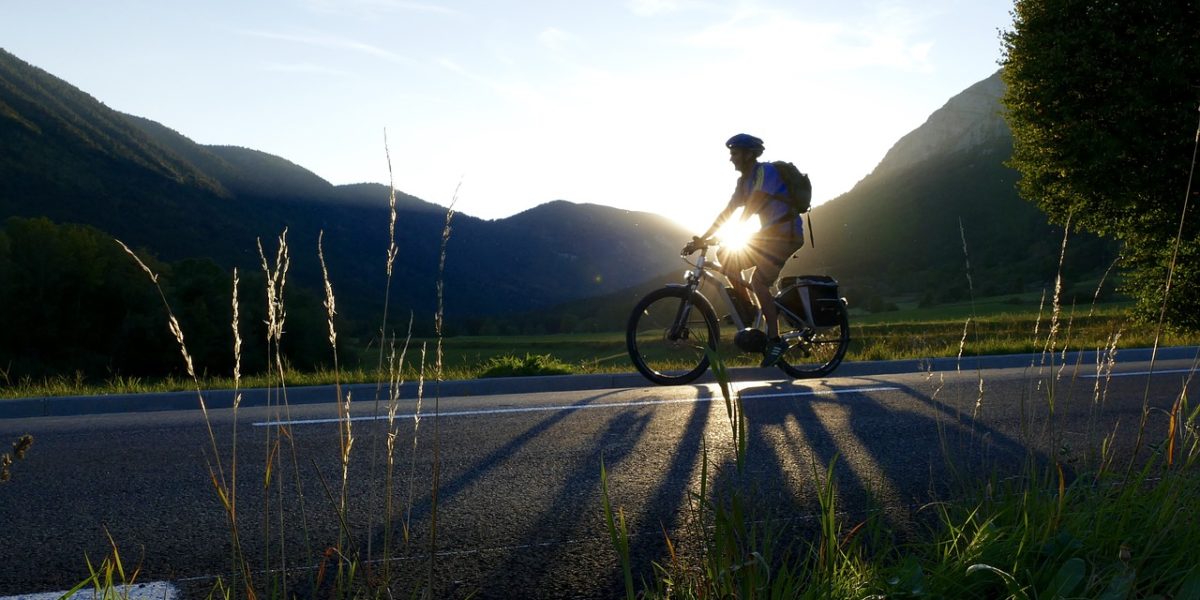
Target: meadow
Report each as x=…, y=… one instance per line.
x=988, y=326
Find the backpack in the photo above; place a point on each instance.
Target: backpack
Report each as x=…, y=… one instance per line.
x=799, y=187
x=799, y=192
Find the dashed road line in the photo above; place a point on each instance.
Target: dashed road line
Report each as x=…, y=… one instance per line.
x=1136, y=373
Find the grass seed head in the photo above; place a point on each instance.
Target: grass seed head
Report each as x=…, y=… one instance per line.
x=22, y=446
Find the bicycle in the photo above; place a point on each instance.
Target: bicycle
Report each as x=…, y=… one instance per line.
x=670, y=328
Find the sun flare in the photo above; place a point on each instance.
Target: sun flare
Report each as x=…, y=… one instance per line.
x=736, y=233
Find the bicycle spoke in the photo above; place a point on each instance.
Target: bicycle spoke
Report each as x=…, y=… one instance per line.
x=667, y=336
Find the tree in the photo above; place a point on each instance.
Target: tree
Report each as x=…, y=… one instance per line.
x=1102, y=98
x=73, y=302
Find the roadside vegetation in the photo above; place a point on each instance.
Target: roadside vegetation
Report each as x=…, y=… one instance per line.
x=1001, y=326
x=986, y=326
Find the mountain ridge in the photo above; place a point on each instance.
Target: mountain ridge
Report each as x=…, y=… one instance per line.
x=941, y=213
x=155, y=188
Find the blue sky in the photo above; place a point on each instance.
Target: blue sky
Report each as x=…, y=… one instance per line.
x=625, y=103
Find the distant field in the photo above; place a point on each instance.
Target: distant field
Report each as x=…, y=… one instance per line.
x=1000, y=326
x=1005, y=325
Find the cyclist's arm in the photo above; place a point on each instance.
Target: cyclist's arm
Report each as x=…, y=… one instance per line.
x=724, y=216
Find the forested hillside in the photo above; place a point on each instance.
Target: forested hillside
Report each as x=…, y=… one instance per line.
x=943, y=197
x=69, y=158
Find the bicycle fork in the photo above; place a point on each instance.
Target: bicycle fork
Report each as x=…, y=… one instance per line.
x=679, y=328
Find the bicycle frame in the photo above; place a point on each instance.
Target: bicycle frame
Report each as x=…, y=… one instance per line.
x=700, y=271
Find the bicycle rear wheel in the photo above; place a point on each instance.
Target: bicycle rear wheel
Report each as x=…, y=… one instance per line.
x=667, y=334
x=817, y=352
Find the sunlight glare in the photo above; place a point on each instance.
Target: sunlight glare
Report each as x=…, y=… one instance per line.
x=736, y=233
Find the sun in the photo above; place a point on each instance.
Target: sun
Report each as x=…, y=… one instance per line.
x=736, y=233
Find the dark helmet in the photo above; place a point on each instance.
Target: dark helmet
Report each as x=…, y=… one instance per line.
x=744, y=140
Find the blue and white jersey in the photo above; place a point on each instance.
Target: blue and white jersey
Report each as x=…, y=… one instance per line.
x=775, y=215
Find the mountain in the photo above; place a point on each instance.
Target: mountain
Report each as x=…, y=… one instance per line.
x=970, y=120
x=942, y=196
x=68, y=157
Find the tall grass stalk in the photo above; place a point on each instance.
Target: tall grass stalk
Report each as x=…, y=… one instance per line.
x=738, y=426
x=962, y=345
x=345, y=574
x=1166, y=296
x=225, y=491
x=383, y=336
x=239, y=558
x=395, y=380
x=618, y=533
x=1050, y=349
x=276, y=285
x=439, y=330
x=412, y=468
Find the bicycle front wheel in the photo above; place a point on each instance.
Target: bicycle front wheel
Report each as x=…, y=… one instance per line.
x=667, y=335
x=817, y=352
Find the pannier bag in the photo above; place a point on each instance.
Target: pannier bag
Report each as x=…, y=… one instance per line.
x=814, y=297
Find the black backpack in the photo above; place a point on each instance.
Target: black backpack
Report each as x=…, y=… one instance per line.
x=799, y=187
x=799, y=192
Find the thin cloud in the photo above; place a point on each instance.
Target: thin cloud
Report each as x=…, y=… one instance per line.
x=653, y=8
x=889, y=39
x=517, y=92
x=555, y=39
x=325, y=41
x=304, y=68
x=374, y=7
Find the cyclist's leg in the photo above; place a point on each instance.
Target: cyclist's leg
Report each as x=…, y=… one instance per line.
x=770, y=254
x=733, y=262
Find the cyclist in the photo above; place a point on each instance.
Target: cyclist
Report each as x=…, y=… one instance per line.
x=760, y=193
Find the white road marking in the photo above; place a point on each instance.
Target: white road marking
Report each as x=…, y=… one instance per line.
x=568, y=407
x=155, y=590
x=1136, y=373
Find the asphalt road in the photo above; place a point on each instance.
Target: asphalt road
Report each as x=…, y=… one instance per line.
x=518, y=507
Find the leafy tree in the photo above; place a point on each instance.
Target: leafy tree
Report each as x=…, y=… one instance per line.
x=1102, y=98
x=74, y=302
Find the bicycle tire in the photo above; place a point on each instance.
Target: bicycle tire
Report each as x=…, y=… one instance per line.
x=821, y=352
x=660, y=359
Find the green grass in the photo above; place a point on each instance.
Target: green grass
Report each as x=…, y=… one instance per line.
x=1105, y=537
x=1001, y=327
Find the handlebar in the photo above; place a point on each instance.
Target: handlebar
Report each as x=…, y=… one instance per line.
x=697, y=244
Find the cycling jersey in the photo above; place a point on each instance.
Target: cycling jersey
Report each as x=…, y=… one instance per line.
x=776, y=214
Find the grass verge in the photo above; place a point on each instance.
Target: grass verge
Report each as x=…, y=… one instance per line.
x=470, y=357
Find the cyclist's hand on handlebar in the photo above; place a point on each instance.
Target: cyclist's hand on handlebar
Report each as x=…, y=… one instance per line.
x=693, y=245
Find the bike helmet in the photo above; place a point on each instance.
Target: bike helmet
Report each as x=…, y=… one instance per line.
x=744, y=140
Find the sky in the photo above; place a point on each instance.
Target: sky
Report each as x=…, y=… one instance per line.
x=501, y=106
